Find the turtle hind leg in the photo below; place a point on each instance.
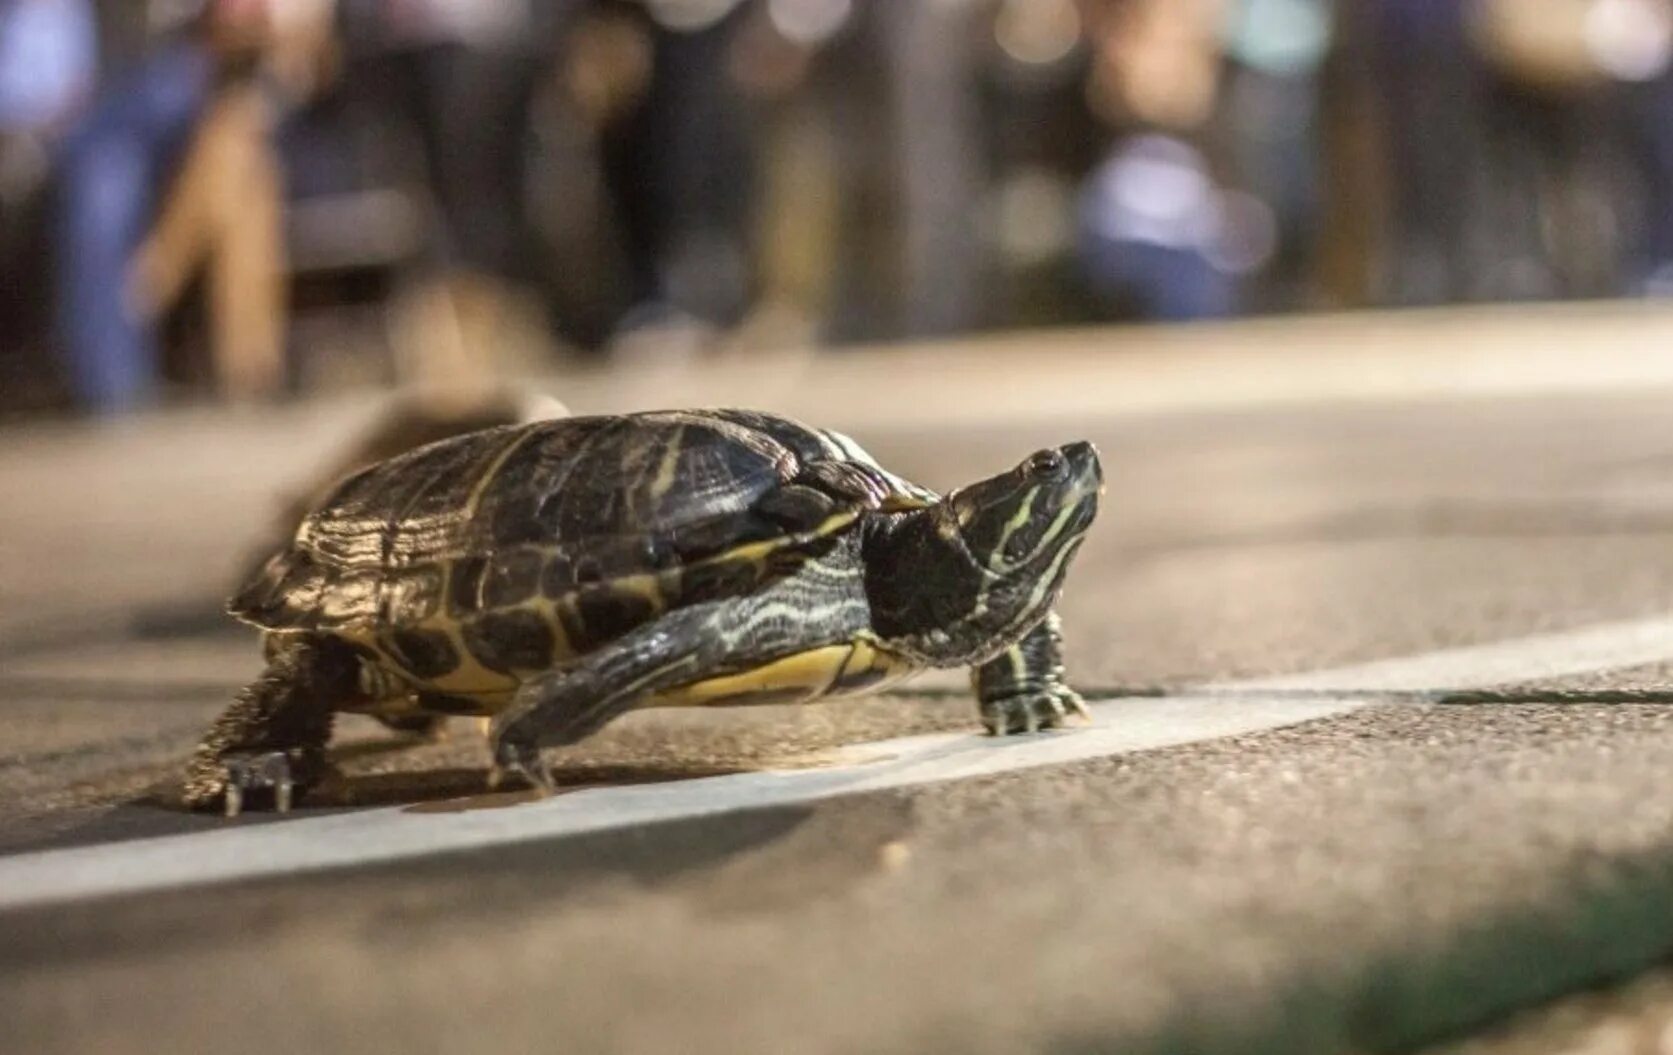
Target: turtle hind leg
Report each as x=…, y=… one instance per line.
x=564, y=706
x=683, y=647
x=270, y=744
x=1022, y=690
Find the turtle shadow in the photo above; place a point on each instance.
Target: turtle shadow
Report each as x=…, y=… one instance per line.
x=159, y=811
x=459, y=789
x=430, y=788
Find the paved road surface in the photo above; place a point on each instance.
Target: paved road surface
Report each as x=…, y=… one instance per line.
x=1385, y=756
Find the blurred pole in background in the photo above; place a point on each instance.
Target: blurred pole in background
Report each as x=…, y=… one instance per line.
x=1428, y=87
x=1543, y=126
x=1038, y=140
x=1651, y=122
x=782, y=60
x=852, y=86
x=931, y=72
x=1268, y=128
x=1349, y=252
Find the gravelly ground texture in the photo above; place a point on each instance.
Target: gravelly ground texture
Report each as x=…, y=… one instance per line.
x=1374, y=882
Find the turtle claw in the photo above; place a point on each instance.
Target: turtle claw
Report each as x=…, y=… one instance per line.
x=1074, y=703
x=524, y=761
x=242, y=773
x=1032, y=712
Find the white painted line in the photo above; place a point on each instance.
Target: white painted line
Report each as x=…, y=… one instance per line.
x=1601, y=646
x=308, y=844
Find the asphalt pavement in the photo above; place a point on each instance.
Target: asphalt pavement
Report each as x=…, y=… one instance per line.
x=1464, y=580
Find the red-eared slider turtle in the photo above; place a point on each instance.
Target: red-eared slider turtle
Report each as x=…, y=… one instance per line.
x=558, y=574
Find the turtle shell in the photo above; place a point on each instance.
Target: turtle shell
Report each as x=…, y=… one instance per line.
x=509, y=550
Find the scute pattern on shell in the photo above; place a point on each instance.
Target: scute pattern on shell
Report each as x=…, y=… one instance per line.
x=555, y=512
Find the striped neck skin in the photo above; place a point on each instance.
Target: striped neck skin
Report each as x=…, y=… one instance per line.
x=960, y=582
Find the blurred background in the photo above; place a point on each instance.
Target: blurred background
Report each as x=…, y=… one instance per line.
x=248, y=200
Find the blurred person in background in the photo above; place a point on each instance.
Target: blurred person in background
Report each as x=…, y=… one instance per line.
x=895, y=90
x=1160, y=237
x=1560, y=123
x=222, y=217
x=48, y=60
x=1162, y=241
x=113, y=172
x=671, y=143
x=659, y=174
x=454, y=79
x=681, y=164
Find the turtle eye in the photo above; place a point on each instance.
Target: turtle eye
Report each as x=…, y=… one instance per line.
x=1046, y=463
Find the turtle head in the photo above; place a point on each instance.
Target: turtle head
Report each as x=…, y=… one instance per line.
x=975, y=573
x=1023, y=524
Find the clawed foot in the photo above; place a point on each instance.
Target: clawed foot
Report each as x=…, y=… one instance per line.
x=1031, y=712
x=522, y=759
x=232, y=780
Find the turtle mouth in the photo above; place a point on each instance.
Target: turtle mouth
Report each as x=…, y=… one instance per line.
x=1086, y=470
x=1080, y=492
x=1078, y=508
x=1085, y=510
x=1078, y=481
x=1083, y=491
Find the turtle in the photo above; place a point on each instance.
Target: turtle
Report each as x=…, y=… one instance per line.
x=552, y=576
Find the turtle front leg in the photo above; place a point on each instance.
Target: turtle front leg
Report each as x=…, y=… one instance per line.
x=1021, y=690
x=271, y=741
